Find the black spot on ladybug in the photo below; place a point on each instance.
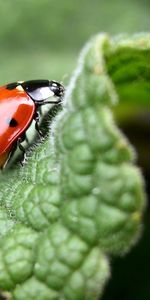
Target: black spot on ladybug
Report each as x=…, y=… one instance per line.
x=11, y=86
x=12, y=122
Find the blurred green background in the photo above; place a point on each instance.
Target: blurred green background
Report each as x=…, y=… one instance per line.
x=42, y=39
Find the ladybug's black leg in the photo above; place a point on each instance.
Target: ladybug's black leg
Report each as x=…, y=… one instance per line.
x=39, y=109
x=26, y=139
x=19, y=141
x=37, y=120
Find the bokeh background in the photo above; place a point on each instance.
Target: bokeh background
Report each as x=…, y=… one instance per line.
x=42, y=39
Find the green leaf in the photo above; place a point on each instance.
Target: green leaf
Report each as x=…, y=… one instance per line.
x=79, y=198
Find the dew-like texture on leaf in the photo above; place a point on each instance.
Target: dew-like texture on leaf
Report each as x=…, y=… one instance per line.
x=79, y=199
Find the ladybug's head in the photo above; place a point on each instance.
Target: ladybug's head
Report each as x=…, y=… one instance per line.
x=56, y=88
x=41, y=90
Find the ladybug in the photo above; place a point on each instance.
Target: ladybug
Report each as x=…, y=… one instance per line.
x=20, y=104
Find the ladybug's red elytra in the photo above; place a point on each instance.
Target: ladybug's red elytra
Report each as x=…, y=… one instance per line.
x=20, y=104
